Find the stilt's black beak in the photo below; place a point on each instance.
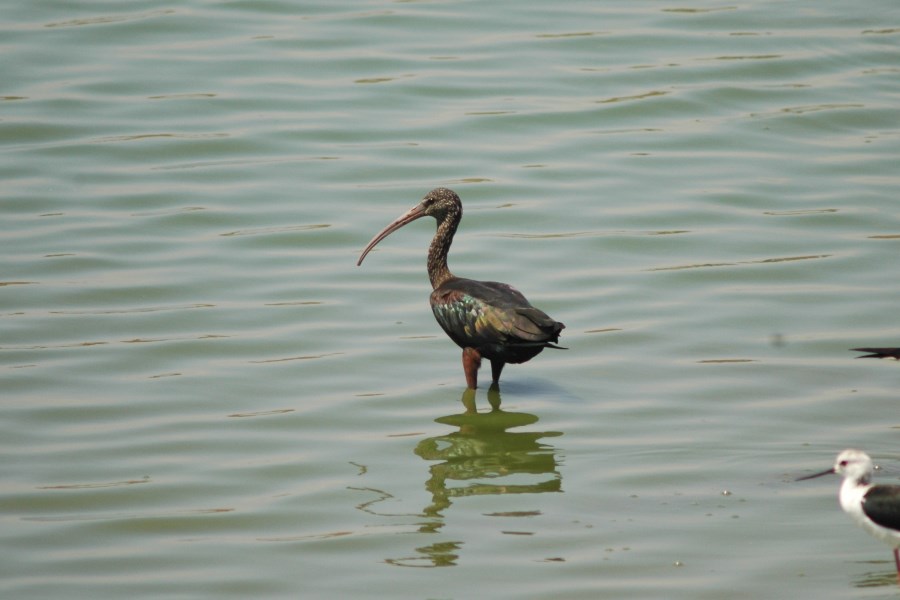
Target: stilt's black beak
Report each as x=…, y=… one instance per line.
x=814, y=475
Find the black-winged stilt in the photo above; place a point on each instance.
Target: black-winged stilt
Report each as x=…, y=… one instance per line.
x=888, y=353
x=875, y=508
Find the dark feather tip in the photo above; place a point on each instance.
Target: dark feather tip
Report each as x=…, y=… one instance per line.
x=888, y=353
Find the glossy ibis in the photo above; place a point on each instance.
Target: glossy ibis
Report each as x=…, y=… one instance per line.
x=485, y=318
x=875, y=508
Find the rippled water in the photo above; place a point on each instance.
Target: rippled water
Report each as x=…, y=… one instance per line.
x=203, y=396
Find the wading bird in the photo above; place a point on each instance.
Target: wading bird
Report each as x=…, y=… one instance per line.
x=887, y=353
x=875, y=508
x=485, y=318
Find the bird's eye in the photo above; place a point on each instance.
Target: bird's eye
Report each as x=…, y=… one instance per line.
x=843, y=463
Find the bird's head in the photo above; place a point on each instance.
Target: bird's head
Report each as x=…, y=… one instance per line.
x=854, y=464
x=441, y=203
x=850, y=464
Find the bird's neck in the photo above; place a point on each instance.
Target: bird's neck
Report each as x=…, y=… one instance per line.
x=851, y=496
x=438, y=271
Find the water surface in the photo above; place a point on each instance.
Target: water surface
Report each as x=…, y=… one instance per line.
x=203, y=396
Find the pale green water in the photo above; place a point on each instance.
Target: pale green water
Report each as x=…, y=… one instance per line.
x=203, y=396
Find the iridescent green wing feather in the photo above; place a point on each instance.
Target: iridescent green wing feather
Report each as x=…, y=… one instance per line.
x=479, y=313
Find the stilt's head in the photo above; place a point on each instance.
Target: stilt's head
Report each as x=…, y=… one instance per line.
x=851, y=464
x=855, y=465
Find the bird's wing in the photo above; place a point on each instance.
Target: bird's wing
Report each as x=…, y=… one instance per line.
x=882, y=504
x=891, y=353
x=535, y=325
x=476, y=312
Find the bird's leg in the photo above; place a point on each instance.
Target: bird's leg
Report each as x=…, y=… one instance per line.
x=496, y=367
x=471, y=360
x=494, y=396
x=897, y=562
x=468, y=401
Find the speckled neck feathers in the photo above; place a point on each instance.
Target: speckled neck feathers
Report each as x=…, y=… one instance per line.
x=447, y=222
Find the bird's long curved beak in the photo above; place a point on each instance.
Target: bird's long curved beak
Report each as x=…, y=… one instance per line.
x=814, y=475
x=409, y=216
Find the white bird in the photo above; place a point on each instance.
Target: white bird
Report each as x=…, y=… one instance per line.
x=875, y=508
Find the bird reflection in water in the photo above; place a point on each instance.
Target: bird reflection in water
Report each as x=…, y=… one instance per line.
x=877, y=579
x=481, y=458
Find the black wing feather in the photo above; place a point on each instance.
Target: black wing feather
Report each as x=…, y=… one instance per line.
x=890, y=353
x=882, y=504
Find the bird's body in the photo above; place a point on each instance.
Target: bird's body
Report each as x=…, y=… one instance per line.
x=485, y=318
x=494, y=319
x=886, y=353
x=875, y=508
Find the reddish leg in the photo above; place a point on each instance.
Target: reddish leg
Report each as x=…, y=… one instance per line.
x=471, y=359
x=897, y=562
